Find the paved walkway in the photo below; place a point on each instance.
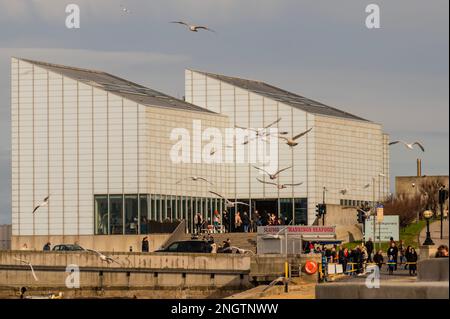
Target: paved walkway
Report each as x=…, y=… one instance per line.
x=435, y=230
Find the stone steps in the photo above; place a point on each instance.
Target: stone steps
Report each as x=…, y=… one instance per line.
x=241, y=240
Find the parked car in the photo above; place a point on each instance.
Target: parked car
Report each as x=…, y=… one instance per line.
x=68, y=247
x=187, y=246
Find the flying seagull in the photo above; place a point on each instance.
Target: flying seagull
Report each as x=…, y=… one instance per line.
x=103, y=257
x=261, y=132
x=42, y=204
x=409, y=145
x=291, y=141
x=279, y=186
x=193, y=28
x=274, y=175
x=228, y=203
x=195, y=179
x=125, y=9
x=30, y=265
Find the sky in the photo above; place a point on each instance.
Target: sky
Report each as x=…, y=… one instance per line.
x=396, y=75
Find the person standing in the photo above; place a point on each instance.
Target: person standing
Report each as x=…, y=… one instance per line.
x=246, y=222
x=46, y=247
x=412, y=261
x=145, y=247
x=401, y=251
x=237, y=221
x=407, y=252
x=369, y=247
x=226, y=221
x=343, y=258
x=393, y=251
x=198, y=221
x=378, y=259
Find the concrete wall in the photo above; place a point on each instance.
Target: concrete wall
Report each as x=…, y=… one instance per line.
x=5, y=237
x=133, y=270
x=337, y=215
x=117, y=243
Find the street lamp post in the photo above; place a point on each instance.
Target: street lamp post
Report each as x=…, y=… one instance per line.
x=428, y=214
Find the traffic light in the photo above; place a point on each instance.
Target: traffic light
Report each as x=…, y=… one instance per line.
x=321, y=209
x=318, y=210
x=361, y=216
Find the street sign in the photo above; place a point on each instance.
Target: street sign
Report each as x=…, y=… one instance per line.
x=388, y=228
x=380, y=213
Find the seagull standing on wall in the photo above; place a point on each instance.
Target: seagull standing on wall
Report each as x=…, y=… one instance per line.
x=42, y=204
x=193, y=28
x=409, y=145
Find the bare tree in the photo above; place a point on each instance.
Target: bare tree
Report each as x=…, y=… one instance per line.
x=406, y=207
x=429, y=189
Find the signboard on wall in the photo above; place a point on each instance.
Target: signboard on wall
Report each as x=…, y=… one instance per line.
x=380, y=213
x=388, y=228
x=297, y=230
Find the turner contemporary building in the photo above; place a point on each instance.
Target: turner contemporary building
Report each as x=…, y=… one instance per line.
x=101, y=148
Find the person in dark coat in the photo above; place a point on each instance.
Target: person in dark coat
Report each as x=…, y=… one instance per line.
x=378, y=259
x=412, y=260
x=145, y=245
x=226, y=221
x=369, y=247
x=246, y=222
x=46, y=247
x=393, y=251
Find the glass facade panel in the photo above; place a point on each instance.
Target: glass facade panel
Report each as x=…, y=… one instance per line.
x=101, y=215
x=301, y=211
x=144, y=208
x=286, y=210
x=131, y=214
x=116, y=214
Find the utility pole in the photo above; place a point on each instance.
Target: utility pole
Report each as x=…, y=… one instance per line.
x=443, y=195
x=373, y=212
x=323, y=202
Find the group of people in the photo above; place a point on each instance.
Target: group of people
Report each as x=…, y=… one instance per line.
x=354, y=261
x=244, y=222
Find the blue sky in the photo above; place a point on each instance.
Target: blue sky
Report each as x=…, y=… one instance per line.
x=396, y=75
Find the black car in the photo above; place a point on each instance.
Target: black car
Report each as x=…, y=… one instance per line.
x=67, y=247
x=187, y=246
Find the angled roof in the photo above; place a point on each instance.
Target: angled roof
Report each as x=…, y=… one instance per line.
x=283, y=96
x=126, y=89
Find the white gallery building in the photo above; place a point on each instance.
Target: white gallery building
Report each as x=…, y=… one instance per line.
x=104, y=150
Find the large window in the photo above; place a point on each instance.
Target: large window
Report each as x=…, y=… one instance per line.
x=101, y=215
x=143, y=206
x=286, y=210
x=116, y=214
x=131, y=214
x=301, y=211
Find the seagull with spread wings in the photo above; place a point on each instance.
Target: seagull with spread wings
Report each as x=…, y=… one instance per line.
x=272, y=175
x=409, y=145
x=103, y=257
x=192, y=27
x=30, y=265
x=195, y=179
x=125, y=9
x=291, y=141
x=280, y=186
x=41, y=204
x=228, y=203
